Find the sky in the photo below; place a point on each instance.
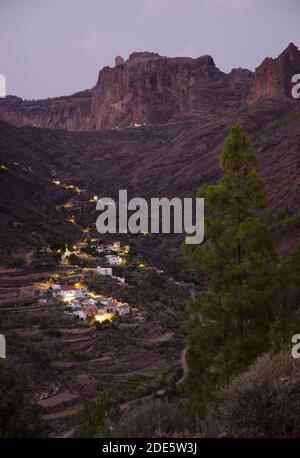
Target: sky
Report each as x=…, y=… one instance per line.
x=50, y=48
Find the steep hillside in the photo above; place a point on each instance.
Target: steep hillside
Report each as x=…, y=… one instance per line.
x=173, y=159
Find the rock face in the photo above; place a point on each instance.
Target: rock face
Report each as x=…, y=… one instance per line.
x=149, y=88
x=274, y=76
x=119, y=60
x=71, y=113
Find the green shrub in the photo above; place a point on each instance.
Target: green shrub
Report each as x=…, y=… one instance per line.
x=98, y=414
x=17, y=417
x=262, y=402
x=154, y=419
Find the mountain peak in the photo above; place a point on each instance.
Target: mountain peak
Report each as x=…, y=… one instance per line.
x=143, y=55
x=291, y=52
x=274, y=76
x=149, y=88
x=291, y=47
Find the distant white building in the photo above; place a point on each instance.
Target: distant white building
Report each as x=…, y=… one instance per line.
x=114, y=306
x=105, y=301
x=107, y=271
x=116, y=246
x=43, y=301
x=81, y=314
x=80, y=293
x=89, y=302
x=113, y=259
x=123, y=309
x=100, y=248
x=56, y=288
x=69, y=293
x=75, y=305
x=119, y=279
x=107, y=248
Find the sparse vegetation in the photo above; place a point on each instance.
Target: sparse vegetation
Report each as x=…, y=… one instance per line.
x=262, y=402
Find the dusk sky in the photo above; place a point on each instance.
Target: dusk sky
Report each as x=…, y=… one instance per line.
x=57, y=47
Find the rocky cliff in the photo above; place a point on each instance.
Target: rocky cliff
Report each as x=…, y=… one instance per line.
x=274, y=76
x=149, y=88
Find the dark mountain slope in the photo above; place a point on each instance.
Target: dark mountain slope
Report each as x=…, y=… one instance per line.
x=167, y=160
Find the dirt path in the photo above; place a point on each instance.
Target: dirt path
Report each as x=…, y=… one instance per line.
x=184, y=365
x=162, y=338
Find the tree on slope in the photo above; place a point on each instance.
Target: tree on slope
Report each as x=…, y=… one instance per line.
x=230, y=323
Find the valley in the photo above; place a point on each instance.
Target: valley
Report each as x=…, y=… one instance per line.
x=81, y=314
x=67, y=360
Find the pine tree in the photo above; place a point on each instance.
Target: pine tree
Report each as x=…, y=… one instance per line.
x=230, y=323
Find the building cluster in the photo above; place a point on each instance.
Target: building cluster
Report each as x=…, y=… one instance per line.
x=108, y=272
x=85, y=305
x=111, y=248
x=113, y=253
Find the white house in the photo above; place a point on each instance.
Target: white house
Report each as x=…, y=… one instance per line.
x=75, y=305
x=123, y=309
x=101, y=248
x=81, y=314
x=107, y=271
x=56, y=288
x=119, y=279
x=113, y=259
x=43, y=301
x=80, y=293
x=88, y=302
x=106, y=301
x=68, y=293
x=112, y=305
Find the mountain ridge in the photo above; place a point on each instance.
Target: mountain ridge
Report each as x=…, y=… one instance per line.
x=149, y=88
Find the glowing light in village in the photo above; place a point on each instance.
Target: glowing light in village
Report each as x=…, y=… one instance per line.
x=102, y=317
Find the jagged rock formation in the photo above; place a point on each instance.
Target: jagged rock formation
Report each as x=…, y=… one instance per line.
x=274, y=76
x=119, y=60
x=149, y=88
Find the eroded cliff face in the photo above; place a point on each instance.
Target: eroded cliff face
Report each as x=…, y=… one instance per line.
x=71, y=113
x=274, y=76
x=148, y=88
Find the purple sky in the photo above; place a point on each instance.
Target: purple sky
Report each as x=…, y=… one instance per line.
x=56, y=47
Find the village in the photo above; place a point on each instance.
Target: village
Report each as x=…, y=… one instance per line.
x=85, y=314
x=79, y=301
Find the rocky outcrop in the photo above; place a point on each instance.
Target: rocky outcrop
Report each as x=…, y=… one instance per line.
x=274, y=76
x=71, y=113
x=145, y=88
x=149, y=88
x=152, y=88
